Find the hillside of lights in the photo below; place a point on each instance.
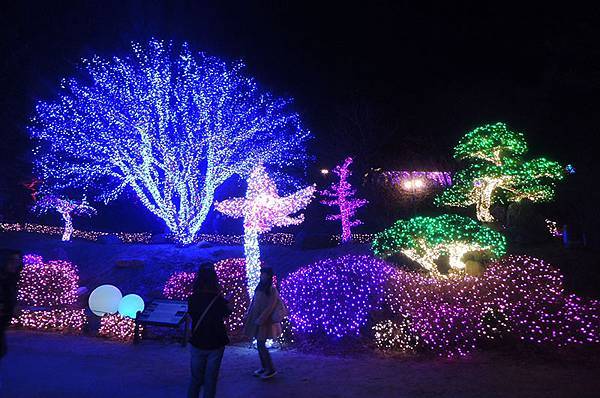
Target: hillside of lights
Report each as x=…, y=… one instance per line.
x=175, y=128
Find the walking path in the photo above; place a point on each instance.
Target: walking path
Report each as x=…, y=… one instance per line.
x=50, y=365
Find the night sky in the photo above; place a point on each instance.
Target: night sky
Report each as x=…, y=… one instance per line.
x=395, y=84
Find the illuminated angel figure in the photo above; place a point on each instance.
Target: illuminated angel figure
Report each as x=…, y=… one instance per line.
x=498, y=172
x=263, y=209
x=67, y=208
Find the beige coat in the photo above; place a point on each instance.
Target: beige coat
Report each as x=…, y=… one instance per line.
x=258, y=322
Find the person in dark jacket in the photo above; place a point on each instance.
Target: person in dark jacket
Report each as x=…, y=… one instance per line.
x=207, y=308
x=11, y=262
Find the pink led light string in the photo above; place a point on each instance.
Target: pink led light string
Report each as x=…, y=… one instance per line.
x=341, y=195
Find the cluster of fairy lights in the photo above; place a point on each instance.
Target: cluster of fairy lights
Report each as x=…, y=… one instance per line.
x=425, y=239
x=232, y=278
x=119, y=327
x=167, y=123
x=335, y=296
x=67, y=208
x=553, y=228
x=51, y=288
x=125, y=237
x=49, y=284
x=395, y=335
x=416, y=179
x=341, y=195
x=263, y=209
x=60, y=320
x=276, y=238
x=518, y=296
x=497, y=171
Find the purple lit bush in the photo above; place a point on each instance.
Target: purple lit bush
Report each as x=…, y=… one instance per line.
x=335, y=296
x=444, y=313
x=517, y=296
x=531, y=295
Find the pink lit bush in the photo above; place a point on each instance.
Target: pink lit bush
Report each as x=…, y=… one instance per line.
x=232, y=277
x=53, y=287
x=50, y=284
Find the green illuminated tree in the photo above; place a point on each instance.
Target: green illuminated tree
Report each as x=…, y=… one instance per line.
x=497, y=171
x=425, y=239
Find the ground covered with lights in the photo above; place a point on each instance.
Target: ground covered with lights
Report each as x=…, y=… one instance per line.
x=82, y=366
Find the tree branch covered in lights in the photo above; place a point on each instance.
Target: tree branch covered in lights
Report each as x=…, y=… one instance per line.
x=425, y=239
x=497, y=171
x=169, y=124
x=342, y=196
x=67, y=208
x=263, y=209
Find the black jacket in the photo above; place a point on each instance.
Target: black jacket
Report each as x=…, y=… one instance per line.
x=211, y=334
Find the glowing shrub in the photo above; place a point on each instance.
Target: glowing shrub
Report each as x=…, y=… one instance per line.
x=425, y=239
x=395, y=336
x=59, y=320
x=335, y=296
x=530, y=293
x=232, y=277
x=179, y=286
x=118, y=327
x=50, y=284
x=444, y=313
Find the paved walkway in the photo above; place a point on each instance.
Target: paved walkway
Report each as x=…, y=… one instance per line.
x=49, y=365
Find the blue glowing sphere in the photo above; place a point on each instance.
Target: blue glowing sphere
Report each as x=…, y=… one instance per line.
x=130, y=305
x=104, y=300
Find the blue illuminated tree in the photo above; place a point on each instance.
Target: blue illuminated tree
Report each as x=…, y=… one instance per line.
x=167, y=123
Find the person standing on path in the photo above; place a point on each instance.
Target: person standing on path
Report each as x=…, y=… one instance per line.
x=11, y=263
x=207, y=308
x=263, y=320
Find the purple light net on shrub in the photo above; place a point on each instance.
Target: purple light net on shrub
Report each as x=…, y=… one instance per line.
x=517, y=296
x=335, y=296
x=531, y=295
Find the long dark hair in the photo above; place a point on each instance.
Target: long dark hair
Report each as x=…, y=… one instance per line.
x=206, y=279
x=265, y=286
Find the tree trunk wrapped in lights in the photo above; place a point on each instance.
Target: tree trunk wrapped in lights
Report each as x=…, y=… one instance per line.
x=167, y=123
x=66, y=208
x=497, y=172
x=425, y=239
x=342, y=196
x=263, y=209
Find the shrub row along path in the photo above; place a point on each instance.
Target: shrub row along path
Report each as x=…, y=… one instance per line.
x=50, y=365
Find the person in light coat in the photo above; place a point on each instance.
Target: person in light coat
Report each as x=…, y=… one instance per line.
x=260, y=324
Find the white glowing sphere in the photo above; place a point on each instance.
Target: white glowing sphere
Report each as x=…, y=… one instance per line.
x=104, y=300
x=418, y=183
x=130, y=305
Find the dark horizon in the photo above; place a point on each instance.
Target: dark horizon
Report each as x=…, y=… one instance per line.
x=396, y=85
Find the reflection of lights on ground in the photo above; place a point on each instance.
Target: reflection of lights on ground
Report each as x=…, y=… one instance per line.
x=324, y=171
x=416, y=183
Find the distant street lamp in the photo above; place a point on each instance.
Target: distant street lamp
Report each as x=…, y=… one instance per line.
x=324, y=171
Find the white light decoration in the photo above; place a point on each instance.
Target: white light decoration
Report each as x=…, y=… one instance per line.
x=167, y=123
x=130, y=305
x=263, y=209
x=104, y=300
x=67, y=208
